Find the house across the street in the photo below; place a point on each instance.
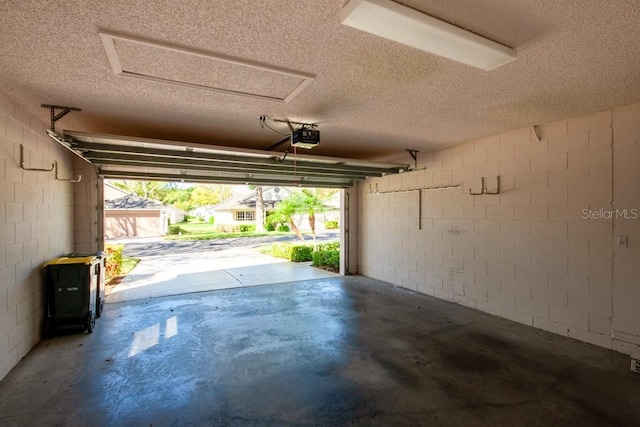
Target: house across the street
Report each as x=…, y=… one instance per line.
x=128, y=215
x=241, y=209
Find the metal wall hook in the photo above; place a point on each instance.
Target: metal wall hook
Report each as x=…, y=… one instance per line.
x=497, y=187
x=483, y=188
x=53, y=165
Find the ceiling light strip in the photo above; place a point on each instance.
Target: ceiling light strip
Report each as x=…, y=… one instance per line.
x=393, y=21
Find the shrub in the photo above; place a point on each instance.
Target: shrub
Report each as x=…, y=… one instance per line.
x=200, y=219
x=270, y=227
x=186, y=218
x=281, y=250
x=329, y=259
x=295, y=253
x=301, y=253
x=283, y=228
x=228, y=228
x=331, y=246
x=173, y=229
x=331, y=225
x=247, y=228
x=211, y=220
x=114, y=261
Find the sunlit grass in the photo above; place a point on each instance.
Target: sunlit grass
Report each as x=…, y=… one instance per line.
x=128, y=264
x=222, y=235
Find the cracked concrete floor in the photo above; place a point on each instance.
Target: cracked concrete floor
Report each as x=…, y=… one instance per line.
x=334, y=351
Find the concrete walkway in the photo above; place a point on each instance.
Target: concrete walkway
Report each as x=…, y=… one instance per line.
x=181, y=267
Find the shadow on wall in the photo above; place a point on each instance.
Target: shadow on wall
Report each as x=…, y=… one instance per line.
x=132, y=226
x=120, y=227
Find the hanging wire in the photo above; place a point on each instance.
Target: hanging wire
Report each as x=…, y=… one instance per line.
x=283, y=157
x=263, y=124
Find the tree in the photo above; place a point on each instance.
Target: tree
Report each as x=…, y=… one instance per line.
x=182, y=196
x=284, y=213
x=147, y=189
x=259, y=209
x=311, y=202
x=209, y=194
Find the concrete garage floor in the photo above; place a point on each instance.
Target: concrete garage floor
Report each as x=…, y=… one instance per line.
x=336, y=351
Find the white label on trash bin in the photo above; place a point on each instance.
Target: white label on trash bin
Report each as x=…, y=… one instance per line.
x=72, y=289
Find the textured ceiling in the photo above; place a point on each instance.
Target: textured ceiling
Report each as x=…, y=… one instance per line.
x=371, y=97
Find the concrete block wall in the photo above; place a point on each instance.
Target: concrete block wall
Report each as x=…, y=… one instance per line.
x=539, y=253
x=36, y=224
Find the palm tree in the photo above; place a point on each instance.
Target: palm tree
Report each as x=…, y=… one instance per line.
x=311, y=202
x=284, y=213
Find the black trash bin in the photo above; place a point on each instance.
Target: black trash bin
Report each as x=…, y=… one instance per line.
x=71, y=292
x=100, y=281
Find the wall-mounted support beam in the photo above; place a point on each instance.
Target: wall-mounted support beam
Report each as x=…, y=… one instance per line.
x=414, y=156
x=55, y=117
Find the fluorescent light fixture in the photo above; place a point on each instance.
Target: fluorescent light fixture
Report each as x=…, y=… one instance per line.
x=401, y=24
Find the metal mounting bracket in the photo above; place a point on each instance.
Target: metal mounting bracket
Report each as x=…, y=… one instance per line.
x=78, y=179
x=53, y=165
x=414, y=156
x=497, y=187
x=55, y=117
x=482, y=188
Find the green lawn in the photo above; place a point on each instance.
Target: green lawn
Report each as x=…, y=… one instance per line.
x=221, y=235
x=196, y=227
x=128, y=264
x=197, y=230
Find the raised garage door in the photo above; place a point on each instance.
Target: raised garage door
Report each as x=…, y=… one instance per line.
x=120, y=157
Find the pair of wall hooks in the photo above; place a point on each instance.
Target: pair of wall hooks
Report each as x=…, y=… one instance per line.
x=484, y=190
x=54, y=167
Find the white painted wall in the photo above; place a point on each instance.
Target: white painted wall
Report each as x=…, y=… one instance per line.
x=626, y=196
x=36, y=224
x=527, y=254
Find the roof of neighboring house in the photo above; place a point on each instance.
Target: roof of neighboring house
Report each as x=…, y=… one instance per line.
x=271, y=196
x=131, y=201
x=112, y=192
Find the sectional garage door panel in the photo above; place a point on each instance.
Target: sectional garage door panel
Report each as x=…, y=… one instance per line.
x=120, y=157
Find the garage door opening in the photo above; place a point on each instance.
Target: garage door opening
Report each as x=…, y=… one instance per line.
x=200, y=237
x=129, y=158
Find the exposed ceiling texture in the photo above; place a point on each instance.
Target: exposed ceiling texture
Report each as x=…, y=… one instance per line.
x=371, y=98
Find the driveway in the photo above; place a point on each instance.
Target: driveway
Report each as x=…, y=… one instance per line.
x=169, y=267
